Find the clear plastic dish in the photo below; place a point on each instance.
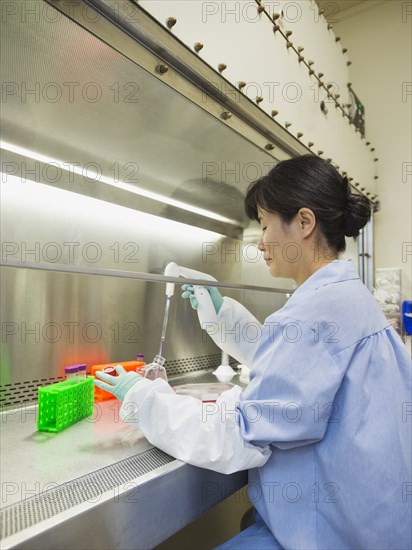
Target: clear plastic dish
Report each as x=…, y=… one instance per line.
x=205, y=392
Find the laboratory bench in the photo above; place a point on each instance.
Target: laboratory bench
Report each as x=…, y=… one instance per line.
x=99, y=482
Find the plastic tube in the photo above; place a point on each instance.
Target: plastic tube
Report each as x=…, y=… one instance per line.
x=72, y=372
x=82, y=371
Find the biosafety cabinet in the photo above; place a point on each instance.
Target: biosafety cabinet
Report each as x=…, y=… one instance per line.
x=130, y=133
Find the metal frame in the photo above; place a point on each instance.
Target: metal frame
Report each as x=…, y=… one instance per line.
x=149, y=277
x=144, y=41
x=366, y=256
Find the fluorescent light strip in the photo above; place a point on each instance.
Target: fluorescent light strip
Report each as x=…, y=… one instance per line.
x=66, y=166
x=30, y=196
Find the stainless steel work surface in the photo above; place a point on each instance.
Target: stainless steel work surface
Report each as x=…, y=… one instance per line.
x=33, y=461
x=55, y=484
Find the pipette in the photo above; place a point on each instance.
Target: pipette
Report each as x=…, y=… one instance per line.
x=156, y=369
x=164, y=327
x=205, y=312
x=174, y=270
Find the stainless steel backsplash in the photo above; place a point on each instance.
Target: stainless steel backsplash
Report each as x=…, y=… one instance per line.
x=50, y=320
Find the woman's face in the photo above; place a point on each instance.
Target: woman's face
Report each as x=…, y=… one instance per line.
x=281, y=245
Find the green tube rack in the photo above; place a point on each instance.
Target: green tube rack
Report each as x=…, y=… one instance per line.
x=64, y=403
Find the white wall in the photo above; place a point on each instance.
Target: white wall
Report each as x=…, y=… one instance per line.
x=378, y=38
x=234, y=33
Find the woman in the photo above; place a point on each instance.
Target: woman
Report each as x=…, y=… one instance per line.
x=323, y=426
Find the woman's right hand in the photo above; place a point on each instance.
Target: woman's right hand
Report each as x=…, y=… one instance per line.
x=216, y=297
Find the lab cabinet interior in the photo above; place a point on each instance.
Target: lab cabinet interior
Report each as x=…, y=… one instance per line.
x=130, y=184
x=112, y=167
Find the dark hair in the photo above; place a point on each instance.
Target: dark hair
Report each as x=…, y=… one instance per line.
x=310, y=182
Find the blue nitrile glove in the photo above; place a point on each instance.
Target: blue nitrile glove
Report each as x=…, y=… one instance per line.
x=217, y=298
x=117, y=385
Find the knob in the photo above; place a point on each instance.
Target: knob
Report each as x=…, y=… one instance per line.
x=269, y=146
x=226, y=115
x=162, y=69
x=274, y=112
x=171, y=22
x=221, y=67
x=198, y=46
x=241, y=84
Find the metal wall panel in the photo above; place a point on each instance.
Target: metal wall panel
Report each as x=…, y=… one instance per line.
x=50, y=319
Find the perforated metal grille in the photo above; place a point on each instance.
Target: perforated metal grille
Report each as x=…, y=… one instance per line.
x=181, y=366
x=88, y=488
x=205, y=377
x=26, y=392
x=23, y=392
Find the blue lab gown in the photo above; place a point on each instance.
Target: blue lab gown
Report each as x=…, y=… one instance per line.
x=324, y=426
x=330, y=393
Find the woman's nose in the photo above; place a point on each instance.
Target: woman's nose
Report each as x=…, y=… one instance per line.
x=261, y=246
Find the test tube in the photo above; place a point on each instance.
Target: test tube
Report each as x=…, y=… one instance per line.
x=82, y=371
x=110, y=370
x=72, y=372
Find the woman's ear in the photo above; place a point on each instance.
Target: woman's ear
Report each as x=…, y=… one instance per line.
x=307, y=221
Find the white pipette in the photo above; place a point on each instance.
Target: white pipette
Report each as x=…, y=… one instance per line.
x=206, y=309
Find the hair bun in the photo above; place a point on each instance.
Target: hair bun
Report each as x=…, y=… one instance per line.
x=358, y=214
